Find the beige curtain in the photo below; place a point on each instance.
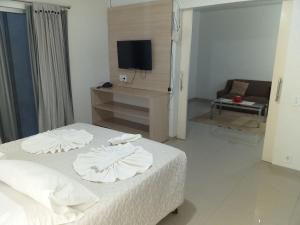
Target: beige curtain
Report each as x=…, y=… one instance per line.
x=50, y=66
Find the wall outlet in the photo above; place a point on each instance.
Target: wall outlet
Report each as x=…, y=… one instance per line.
x=123, y=78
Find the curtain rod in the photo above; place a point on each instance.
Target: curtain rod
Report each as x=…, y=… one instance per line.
x=30, y=2
x=11, y=9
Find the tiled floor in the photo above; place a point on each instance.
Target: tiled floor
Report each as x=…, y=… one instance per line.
x=198, y=107
x=228, y=184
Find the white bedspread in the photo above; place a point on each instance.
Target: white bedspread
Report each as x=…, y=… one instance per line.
x=142, y=200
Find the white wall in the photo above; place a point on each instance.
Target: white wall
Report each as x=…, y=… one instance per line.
x=236, y=42
x=194, y=76
x=88, y=49
x=88, y=52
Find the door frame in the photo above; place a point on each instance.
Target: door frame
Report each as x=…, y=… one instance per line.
x=184, y=71
x=183, y=77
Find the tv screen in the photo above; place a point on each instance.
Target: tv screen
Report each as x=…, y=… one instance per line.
x=135, y=54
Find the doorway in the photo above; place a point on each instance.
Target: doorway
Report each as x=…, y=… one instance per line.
x=189, y=19
x=233, y=54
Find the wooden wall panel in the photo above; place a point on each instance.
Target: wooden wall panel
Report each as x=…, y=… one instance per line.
x=145, y=21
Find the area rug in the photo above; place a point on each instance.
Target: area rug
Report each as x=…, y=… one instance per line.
x=233, y=120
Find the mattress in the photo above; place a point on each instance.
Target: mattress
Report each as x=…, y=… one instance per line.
x=142, y=200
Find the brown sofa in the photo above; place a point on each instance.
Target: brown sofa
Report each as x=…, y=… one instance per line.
x=258, y=91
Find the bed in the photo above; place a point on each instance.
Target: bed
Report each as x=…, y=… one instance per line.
x=142, y=200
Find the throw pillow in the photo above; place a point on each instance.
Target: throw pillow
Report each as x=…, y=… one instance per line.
x=239, y=88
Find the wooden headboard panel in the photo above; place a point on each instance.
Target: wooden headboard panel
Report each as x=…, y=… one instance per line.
x=152, y=21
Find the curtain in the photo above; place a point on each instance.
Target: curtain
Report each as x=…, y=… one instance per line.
x=8, y=116
x=47, y=34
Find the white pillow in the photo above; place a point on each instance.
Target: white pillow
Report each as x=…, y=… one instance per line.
x=63, y=196
x=10, y=212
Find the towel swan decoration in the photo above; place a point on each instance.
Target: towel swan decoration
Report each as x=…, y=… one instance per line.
x=109, y=164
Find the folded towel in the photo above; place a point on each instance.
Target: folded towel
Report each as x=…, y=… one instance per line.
x=123, y=139
x=109, y=164
x=57, y=141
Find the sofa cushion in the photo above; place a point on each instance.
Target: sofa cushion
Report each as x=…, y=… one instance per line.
x=256, y=87
x=259, y=88
x=239, y=88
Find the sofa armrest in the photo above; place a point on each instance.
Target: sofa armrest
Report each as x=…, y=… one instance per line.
x=222, y=93
x=226, y=90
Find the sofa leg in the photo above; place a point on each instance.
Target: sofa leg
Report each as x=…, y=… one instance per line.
x=175, y=212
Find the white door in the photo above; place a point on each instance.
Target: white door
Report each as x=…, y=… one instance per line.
x=278, y=79
x=286, y=148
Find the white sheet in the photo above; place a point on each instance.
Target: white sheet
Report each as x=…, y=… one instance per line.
x=141, y=200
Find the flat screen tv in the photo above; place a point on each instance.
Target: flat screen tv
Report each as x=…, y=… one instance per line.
x=135, y=54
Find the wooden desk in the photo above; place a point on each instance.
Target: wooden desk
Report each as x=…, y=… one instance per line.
x=104, y=109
